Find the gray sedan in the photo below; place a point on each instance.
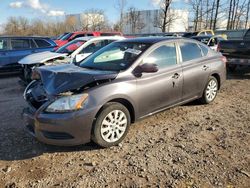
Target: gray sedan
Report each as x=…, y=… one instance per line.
x=118, y=85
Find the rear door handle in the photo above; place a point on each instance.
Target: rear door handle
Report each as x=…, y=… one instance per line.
x=205, y=67
x=176, y=76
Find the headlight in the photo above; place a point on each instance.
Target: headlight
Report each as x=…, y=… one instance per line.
x=68, y=103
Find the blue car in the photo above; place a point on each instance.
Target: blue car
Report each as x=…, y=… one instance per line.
x=13, y=48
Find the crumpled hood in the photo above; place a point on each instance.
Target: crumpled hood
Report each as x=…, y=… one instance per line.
x=41, y=57
x=63, y=78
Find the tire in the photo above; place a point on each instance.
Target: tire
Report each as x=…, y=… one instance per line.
x=108, y=130
x=211, y=90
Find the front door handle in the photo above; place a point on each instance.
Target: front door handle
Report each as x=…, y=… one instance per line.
x=205, y=67
x=176, y=76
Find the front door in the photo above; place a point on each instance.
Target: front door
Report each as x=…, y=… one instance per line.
x=163, y=88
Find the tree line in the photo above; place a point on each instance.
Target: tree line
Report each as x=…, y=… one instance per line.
x=203, y=14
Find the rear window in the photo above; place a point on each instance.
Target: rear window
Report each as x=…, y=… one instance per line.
x=204, y=50
x=190, y=51
x=19, y=44
x=247, y=35
x=3, y=44
x=41, y=43
x=77, y=36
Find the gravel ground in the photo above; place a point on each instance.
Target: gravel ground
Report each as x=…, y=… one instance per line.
x=187, y=146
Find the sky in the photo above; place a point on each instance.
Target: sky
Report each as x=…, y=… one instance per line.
x=56, y=9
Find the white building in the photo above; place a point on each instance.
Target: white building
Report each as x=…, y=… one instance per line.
x=149, y=19
x=86, y=20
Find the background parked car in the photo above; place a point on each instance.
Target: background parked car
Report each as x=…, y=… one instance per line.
x=67, y=37
x=72, y=52
x=100, y=98
x=198, y=33
x=12, y=49
x=211, y=40
x=236, y=51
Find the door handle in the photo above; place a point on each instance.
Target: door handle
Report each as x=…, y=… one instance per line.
x=205, y=67
x=176, y=76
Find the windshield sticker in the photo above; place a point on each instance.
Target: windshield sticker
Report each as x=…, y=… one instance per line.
x=123, y=65
x=133, y=51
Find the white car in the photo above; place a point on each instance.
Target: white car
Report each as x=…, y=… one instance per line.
x=72, y=52
x=210, y=40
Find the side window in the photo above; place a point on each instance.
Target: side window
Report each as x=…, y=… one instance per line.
x=109, y=41
x=190, y=51
x=213, y=42
x=3, y=44
x=204, y=50
x=42, y=43
x=32, y=44
x=93, y=47
x=163, y=56
x=19, y=44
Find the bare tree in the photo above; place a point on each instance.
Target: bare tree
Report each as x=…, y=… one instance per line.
x=165, y=17
x=71, y=23
x=12, y=26
x=216, y=14
x=94, y=20
x=134, y=20
x=247, y=15
x=196, y=4
x=121, y=6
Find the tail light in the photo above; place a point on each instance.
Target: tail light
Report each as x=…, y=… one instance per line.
x=224, y=60
x=218, y=48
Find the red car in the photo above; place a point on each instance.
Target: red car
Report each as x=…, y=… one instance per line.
x=71, y=36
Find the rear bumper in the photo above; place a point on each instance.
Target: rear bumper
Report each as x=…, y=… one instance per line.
x=67, y=129
x=238, y=61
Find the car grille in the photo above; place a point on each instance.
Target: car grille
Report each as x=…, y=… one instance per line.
x=57, y=135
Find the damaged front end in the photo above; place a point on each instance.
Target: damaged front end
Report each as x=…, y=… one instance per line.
x=60, y=111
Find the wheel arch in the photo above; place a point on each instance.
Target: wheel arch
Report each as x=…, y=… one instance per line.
x=217, y=77
x=125, y=103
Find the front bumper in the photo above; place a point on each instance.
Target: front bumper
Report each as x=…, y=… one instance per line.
x=66, y=129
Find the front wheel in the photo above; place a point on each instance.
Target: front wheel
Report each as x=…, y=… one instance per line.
x=210, y=91
x=111, y=125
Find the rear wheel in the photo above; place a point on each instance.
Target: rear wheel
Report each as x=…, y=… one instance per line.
x=111, y=125
x=210, y=91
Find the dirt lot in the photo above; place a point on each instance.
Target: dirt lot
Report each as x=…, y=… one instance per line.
x=187, y=146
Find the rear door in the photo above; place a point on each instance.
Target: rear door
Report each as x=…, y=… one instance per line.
x=41, y=45
x=19, y=49
x=163, y=88
x=4, y=52
x=195, y=69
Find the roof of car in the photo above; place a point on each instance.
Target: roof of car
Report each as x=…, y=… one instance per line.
x=99, y=37
x=149, y=40
x=28, y=37
x=202, y=36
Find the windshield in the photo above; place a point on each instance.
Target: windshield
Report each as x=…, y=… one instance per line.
x=71, y=46
x=67, y=36
x=115, y=57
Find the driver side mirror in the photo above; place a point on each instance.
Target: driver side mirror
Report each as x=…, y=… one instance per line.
x=149, y=68
x=146, y=68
